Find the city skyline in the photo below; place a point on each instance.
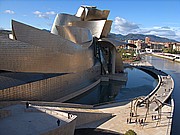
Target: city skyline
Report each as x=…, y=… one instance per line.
x=138, y=17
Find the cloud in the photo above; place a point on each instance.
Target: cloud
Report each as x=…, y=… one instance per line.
x=50, y=13
x=9, y=12
x=167, y=32
x=122, y=26
x=45, y=15
x=161, y=31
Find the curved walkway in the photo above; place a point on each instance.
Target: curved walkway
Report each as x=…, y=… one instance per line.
x=164, y=88
x=152, y=126
x=169, y=56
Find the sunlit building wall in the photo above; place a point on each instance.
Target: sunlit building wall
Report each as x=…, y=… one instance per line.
x=39, y=65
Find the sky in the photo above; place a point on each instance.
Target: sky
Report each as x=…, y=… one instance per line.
x=155, y=17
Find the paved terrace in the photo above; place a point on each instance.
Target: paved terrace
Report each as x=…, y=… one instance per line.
x=41, y=117
x=32, y=121
x=121, y=113
x=164, y=88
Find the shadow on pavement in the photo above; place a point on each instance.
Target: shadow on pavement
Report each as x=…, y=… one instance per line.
x=95, y=131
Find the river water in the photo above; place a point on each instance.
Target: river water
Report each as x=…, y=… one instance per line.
x=139, y=84
x=172, y=68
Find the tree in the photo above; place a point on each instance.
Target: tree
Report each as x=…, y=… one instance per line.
x=130, y=132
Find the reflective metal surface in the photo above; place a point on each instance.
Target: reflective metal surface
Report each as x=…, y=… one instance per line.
x=88, y=13
x=43, y=39
x=39, y=65
x=107, y=28
x=51, y=88
x=61, y=20
x=75, y=34
x=112, y=57
x=81, y=12
x=43, y=52
x=95, y=27
x=95, y=14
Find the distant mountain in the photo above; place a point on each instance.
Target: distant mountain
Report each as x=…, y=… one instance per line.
x=116, y=36
x=141, y=37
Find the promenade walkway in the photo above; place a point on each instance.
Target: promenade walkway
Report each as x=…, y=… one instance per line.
x=153, y=125
x=173, y=57
x=121, y=113
x=164, y=88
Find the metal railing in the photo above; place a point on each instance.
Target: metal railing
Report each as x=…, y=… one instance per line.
x=168, y=132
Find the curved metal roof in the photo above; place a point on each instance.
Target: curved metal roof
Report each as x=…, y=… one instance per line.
x=61, y=20
x=75, y=34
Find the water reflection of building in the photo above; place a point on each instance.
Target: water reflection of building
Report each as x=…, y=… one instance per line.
x=41, y=65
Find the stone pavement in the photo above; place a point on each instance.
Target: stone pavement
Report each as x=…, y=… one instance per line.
x=119, y=122
x=31, y=121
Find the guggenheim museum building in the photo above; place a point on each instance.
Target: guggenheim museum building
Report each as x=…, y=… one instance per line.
x=58, y=65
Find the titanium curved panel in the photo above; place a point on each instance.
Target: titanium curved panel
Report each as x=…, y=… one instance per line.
x=96, y=14
x=81, y=12
x=106, y=29
x=43, y=39
x=95, y=27
x=89, y=13
x=61, y=20
x=75, y=34
x=22, y=57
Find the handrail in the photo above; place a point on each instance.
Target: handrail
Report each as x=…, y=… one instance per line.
x=155, y=89
x=155, y=71
x=170, y=90
x=170, y=119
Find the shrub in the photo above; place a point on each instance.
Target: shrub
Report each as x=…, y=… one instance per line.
x=130, y=132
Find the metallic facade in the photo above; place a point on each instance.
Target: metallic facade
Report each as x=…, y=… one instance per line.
x=88, y=13
x=41, y=65
x=96, y=27
x=75, y=34
x=61, y=20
